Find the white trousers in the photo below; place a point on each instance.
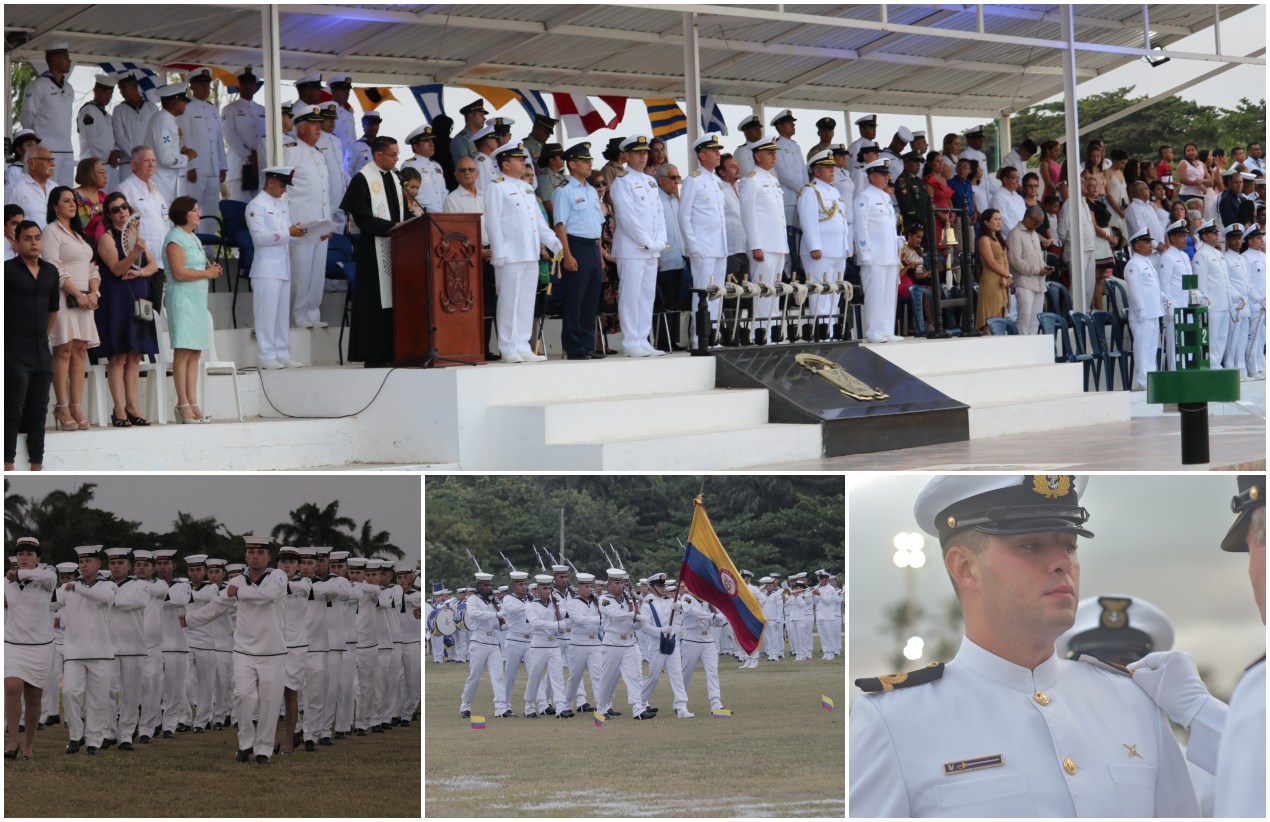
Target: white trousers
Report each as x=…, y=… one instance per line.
x=438, y=648
x=383, y=687
x=367, y=675
x=258, y=683
x=550, y=662
x=396, y=679
x=1257, y=339
x=767, y=271
x=801, y=630
x=270, y=307
x=334, y=667
x=485, y=657
x=516, y=285
x=207, y=191
x=52, y=686
x=774, y=640
x=86, y=690
x=1236, y=356
x=1221, y=327
x=151, y=690
x=708, y=654
x=314, y=694
x=672, y=664
x=462, y=639
x=223, y=694
x=176, y=704
x=166, y=180
x=348, y=665
x=707, y=271
x=308, y=277
x=584, y=658
x=621, y=661
x=1146, y=339
x=514, y=652
x=638, y=278
x=1031, y=303
x=826, y=269
x=881, y=293
x=204, y=685
x=129, y=669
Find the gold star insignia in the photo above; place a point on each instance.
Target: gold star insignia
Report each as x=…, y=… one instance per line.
x=1133, y=750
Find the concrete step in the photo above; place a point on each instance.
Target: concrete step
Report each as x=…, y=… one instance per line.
x=983, y=386
x=720, y=450
x=921, y=357
x=1074, y=411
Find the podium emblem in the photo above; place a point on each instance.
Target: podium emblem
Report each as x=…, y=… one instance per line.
x=456, y=254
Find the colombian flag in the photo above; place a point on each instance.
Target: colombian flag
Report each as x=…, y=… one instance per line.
x=708, y=572
x=599, y=719
x=478, y=723
x=826, y=702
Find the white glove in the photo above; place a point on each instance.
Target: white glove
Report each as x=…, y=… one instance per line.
x=1172, y=681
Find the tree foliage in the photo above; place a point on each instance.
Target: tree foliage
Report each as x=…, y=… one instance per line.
x=767, y=523
x=61, y=520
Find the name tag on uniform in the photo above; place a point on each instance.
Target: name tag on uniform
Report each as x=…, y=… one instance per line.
x=580, y=200
x=977, y=764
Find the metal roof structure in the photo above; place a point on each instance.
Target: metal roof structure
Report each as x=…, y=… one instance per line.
x=945, y=59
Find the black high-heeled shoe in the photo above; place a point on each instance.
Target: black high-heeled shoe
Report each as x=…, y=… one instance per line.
x=13, y=754
x=118, y=423
x=137, y=422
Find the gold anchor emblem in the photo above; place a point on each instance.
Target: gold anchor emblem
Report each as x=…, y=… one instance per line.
x=845, y=383
x=1133, y=750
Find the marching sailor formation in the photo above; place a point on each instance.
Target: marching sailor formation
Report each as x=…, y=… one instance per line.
x=143, y=655
x=603, y=633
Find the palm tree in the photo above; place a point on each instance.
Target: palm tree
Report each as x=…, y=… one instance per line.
x=311, y=525
x=371, y=543
x=16, y=515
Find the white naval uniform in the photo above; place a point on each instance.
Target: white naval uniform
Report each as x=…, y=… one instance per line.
x=223, y=641
x=243, y=125
x=28, y=628
x=517, y=229
x=367, y=653
x=486, y=170
x=516, y=643
x=822, y=213
x=333, y=152
x=1174, y=264
x=828, y=604
x=621, y=658
x=853, y=151
x=50, y=703
x=411, y=654
x=201, y=130
x=1215, y=283
x=130, y=126
x=547, y=625
x=485, y=654
x=89, y=657
x=700, y=623
x=749, y=660
x=338, y=589
x=744, y=159
x=763, y=215
x=163, y=135
x=639, y=237
x=584, y=648
x=798, y=621
x=432, y=191
x=1241, y=755
x=703, y=226
x=295, y=630
x=791, y=170
x=309, y=201
x=97, y=139
x=127, y=632
x=269, y=221
x=260, y=654
x=388, y=677
x=1146, y=307
x=662, y=608
x=356, y=155
x=877, y=254
x=990, y=738
x=1256, y=262
x=1237, y=348
x=345, y=125
x=176, y=657
x=48, y=110
x=846, y=190
x=773, y=605
x=152, y=667
x=313, y=697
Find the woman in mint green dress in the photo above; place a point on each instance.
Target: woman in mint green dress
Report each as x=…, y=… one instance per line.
x=187, y=272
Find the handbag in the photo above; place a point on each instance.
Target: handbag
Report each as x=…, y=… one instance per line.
x=142, y=309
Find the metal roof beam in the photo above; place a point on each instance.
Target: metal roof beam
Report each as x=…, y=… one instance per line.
x=59, y=19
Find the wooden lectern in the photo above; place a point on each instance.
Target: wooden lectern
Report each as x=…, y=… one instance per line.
x=438, y=314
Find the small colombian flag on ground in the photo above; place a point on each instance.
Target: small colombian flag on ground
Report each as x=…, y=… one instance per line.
x=721, y=713
x=478, y=723
x=599, y=720
x=826, y=702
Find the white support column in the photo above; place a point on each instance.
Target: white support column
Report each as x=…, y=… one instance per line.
x=8, y=103
x=1080, y=300
x=1146, y=25
x=1005, y=141
x=271, y=82
x=1217, y=29
x=692, y=80
x=934, y=141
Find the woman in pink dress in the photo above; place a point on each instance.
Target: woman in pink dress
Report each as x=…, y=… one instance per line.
x=1050, y=167
x=75, y=330
x=90, y=176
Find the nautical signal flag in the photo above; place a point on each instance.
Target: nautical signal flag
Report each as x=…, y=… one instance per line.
x=371, y=97
x=580, y=117
x=712, y=116
x=721, y=713
x=708, y=572
x=478, y=723
x=430, y=100
x=826, y=702
x=667, y=118
x=599, y=720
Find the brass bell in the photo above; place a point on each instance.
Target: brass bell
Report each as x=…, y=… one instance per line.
x=950, y=236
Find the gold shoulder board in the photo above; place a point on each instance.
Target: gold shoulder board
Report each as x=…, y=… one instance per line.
x=890, y=682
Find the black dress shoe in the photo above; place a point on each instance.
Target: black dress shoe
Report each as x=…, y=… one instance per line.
x=360, y=732
x=466, y=714
x=243, y=756
x=198, y=730
x=587, y=708
x=169, y=735
x=386, y=726
x=506, y=715
x=310, y=745
x=493, y=358
x=565, y=714
x=595, y=355
x=218, y=726
x=573, y=355
x=55, y=719
x=326, y=740
x=377, y=730
x=72, y=746
x=531, y=716
x=106, y=743
x=396, y=720
x=143, y=739
x=90, y=750
x=645, y=715
x=182, y=728
x=651, y=709
x=340, y=735
x=405, y=723
x=125, y=746
x=551, y=710
x=297, y=738
x=261, y=759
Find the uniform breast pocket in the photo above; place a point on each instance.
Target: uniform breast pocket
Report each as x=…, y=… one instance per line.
x=1135, y=788
x=1001, y=794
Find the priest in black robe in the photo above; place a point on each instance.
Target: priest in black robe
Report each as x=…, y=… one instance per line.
x=375, y=201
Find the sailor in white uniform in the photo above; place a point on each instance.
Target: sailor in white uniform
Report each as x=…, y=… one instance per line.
x=28, y=641
x=822, y=213
x=659, y=610
x=130, y=120
x=163, y=134
x=516, y=644
x=1147, y=304
x=201, y=130
x=877, y=254
x=345, y=125
x=1255, y=257
x=1237, y=349
x=1215, y=286
x=791, y=168
x=89, y=651
x=868, y=126
x=548, y=620
x=486, y=624
x=1013, y=731
x=243, y=124
x=310, y=206
x=269, y=221
x=621, y=617
x=639, y=238
x=432, y=191
x=703, y=219
x=127, y=615
x=96, y=130
x=358, y=153
x=486, y=142
x=48, y=106
x=752, y=129
x=1174, y=264
x=763, y=216
x=333, y=151
x=584, y=643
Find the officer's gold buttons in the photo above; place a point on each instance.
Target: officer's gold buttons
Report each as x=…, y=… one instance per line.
x=1069, y=765
x=1041, y=698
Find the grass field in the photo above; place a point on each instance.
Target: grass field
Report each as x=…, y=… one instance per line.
x=780, y=755
x=376, y=775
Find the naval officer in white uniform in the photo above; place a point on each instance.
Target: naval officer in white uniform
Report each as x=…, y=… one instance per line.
x=826, y=234
x=1008, y=728
x=48, y=106
x=163, y=134
x=877, y=254
x=310, y=206
x=243, y=124
x=639, y=238
x=432, y=191
x=201, y=130
x=1147, y=304
x=269, y=220
x=703, y=219
x=763, y=216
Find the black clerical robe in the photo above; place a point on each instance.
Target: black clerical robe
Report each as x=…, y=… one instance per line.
x=370, y=331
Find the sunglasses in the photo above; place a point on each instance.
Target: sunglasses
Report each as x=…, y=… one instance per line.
x=117, y=209
x=465, y=171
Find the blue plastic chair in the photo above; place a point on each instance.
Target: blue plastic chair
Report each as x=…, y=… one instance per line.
x=1002, y=327
x=1084, y=353
x=1099, y=321
x=341, y=264
x=1121, y=331
x=246, y=254
x=917, y=294
x=1058, y=300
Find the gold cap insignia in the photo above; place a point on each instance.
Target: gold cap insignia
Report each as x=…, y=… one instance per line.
x=1113, y=612
x=952, y=522
x=1052, y=486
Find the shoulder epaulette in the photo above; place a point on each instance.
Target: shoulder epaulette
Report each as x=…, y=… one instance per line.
x=696, y=173
x=498, y=179
x=290, y=145
x=604, y=601
x=752, y=173
x=621, y=172
x=1110, y=667
x=890, y=682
